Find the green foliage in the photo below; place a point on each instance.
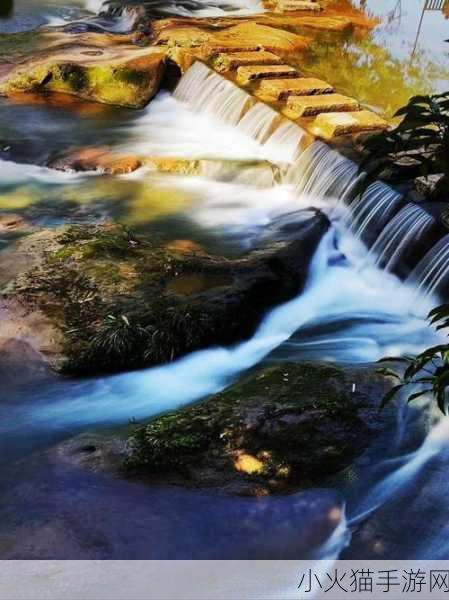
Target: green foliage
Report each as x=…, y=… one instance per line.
x=418, y=146
x=118, y=338
x=6, y=8
x=429, y=370
x=157, y=337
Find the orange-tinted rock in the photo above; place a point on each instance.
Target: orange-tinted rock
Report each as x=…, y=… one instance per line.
x=122, y=75
x=249, y=74
x=330, y=125
x=231, y=61
x=247, y=36
x=96, y=159
x=185, y=247
x=280, y=89
x=306, y=106
x=12, y=222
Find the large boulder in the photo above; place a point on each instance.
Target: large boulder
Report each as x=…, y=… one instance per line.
x=106, y=300
x=99, y=67
x=280, y=429
x=245, y=36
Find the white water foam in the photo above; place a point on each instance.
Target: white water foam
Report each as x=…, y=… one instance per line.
x=12, y=173
x=195, y=8
x=168, y=128
x=205, y=92
x=94, y=6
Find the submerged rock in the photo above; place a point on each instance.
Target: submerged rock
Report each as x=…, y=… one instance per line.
x=284, y=427
x=95, y=159
x=112, y=301
x=280, y=429
x=11, y=222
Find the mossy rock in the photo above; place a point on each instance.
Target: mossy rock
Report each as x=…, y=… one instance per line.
x=120, y=302
x=282, y=428
x=98, y=68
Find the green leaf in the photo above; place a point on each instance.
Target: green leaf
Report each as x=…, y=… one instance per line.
x=418, y=394
x=403, y=359
x=390, y=395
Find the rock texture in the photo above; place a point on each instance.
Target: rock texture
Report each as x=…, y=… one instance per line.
x=95, y=159
x=279, y=429
x=105, y=300
x=118, y=75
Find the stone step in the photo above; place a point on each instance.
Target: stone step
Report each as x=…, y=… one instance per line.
x=307, y=106
x=281, y=89
x=231, y=61
x=296, y=5
x=331, y=125
x=249, y=74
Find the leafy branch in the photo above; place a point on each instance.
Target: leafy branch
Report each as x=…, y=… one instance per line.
x=429, y=369
x=418, y=146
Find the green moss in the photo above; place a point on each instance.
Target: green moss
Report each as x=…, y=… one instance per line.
x=61, y=255
x=297, y=420
x=107, y=83
x=171, y=442
x=106, y=273
x=134, y=77
x=73, y=75
x=319, y=382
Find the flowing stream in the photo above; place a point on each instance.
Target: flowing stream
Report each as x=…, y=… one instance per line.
x=373, y=279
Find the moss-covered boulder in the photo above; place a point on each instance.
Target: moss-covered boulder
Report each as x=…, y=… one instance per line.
x=283, y=427
x=279, y=429
x=114, y=301
x=98, y=67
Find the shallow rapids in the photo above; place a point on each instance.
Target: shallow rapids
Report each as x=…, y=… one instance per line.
x=360, y=303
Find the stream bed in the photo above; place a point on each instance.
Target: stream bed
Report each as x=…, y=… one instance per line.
x=356, y=307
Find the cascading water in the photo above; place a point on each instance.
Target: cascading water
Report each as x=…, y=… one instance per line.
x=408, y=226
x=204, y=91
x=258, y=121
x=399, y=474
x=321, y=172
x=167, y=127
x=335, y=288
x=374, y=209
x=12, y=173
x=431, y=275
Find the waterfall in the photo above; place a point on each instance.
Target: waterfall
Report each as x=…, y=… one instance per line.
x=404, y=229
x=373, y=210
x=321, y=171
x=284, y=143
x=258, y=121
x=432, y=272
x=206, y=92
x=168, y=127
